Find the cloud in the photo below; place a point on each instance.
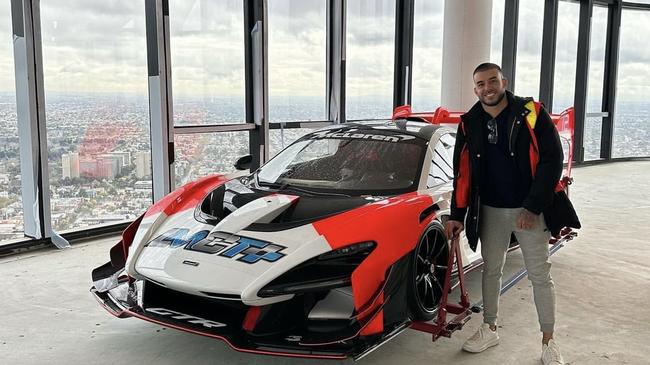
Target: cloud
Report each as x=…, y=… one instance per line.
x=427, y=55
x=373, y=9
x=101, y=46
x=206, y=17
x=296, y=10
x=370, y=48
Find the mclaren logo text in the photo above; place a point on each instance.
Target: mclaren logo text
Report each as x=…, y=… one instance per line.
x=244, y=249
x=354, y=135
x=185, y=317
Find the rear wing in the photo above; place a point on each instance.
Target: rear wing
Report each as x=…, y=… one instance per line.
x=564, y=122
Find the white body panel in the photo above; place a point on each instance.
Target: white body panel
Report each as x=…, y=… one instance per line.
x=212, y=273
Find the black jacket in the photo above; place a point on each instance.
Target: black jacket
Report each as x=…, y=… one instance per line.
x=539, y=190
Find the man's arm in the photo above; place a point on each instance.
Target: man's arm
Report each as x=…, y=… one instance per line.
x=549, y=168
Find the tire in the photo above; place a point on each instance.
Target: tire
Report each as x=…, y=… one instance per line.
x=427, y=271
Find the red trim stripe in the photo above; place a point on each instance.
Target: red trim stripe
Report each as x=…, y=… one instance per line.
x=251, y=318
x=261, y=352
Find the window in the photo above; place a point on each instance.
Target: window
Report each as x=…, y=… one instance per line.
x=281, y=138
x=207, y=51
x=427, y=54
x=442, y=170
x=566, y=53
x=202, y=154
x=11, y=208
x=529, y=48
x=297, y=46
x=370, y=52
x=597, y=59
x=498, y=12
x=631, y=127
x=95, y=67
x=593, y=125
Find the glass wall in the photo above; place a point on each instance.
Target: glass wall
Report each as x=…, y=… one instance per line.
x=631, y=126
x=95, y=80
x=95, y=67
x=203, y=154
x=529, y=48
x=207, y=56
x=281, y=138
x=597, y=59
x=427, y=54
x=297, y=62
x=594, y=125
x=427, y=49
x=11, y=208
x=566, y=55
x=370, y=51
x=498, y=12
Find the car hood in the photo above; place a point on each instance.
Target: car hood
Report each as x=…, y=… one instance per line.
x=235, y=249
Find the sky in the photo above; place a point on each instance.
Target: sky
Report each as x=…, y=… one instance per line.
x=100, y=46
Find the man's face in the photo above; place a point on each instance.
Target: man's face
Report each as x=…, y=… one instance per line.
x=490, y=87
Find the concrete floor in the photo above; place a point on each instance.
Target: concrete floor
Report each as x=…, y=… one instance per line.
x=602, y=280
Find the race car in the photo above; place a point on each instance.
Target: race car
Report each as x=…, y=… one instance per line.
x=328, y=250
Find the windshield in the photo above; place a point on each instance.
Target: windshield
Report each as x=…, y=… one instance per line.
x=354, y=162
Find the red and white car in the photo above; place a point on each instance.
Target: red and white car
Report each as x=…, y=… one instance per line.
x=328, y=250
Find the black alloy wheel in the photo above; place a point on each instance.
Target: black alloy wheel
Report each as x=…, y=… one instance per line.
x=427, y=274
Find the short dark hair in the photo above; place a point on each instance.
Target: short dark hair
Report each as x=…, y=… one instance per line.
x=487, y=66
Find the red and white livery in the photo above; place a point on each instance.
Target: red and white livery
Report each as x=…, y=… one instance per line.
x=329, y=249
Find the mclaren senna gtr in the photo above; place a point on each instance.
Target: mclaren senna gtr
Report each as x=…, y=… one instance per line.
x=329, y=249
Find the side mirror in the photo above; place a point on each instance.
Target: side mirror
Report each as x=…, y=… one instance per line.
x=244, y=162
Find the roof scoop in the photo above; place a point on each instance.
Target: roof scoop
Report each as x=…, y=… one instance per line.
x=262, y=210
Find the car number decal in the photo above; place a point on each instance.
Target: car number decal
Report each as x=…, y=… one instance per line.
x=244, y=249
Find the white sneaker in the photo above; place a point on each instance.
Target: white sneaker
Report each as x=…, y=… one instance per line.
x=483, y=339
x=551, y=354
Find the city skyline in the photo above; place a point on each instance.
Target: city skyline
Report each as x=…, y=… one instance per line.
x=85, y=201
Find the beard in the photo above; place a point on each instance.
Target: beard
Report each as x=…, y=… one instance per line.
x=499, y=99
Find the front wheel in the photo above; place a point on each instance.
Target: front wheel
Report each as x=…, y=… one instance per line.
x=427, y=273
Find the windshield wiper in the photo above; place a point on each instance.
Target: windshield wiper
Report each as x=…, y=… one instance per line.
x=287, y=186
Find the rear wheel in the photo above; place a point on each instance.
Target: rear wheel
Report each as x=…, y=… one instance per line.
x=427, y=273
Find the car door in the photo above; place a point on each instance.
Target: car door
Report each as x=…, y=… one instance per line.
x=440, y=179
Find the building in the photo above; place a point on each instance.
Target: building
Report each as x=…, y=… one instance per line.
x=116, y=160
x=125, y=157
x=100, y=167
x=142, y=164
x=143, y=186
x=70, y=165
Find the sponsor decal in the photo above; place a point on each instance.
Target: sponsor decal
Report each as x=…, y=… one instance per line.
x=356, y=135
x=185, y=317
x=244, y=249
x=177, y=237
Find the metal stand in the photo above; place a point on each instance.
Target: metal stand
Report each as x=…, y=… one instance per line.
x=440, y=326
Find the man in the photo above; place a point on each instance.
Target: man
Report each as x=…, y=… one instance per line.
x=507, y=162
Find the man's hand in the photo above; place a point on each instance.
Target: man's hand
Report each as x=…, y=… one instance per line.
x=453, y=229
x=526, y=219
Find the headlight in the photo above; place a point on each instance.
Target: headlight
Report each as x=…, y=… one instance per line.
x=325, y=272
x=359, y=248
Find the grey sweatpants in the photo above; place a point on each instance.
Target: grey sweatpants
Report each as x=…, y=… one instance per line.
x=497, y=224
